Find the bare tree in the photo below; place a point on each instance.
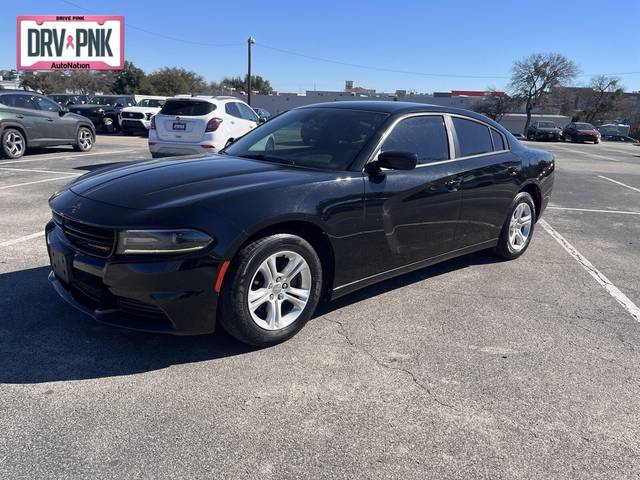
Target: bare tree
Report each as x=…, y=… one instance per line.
x=495, y=105
x=533, y=77
x=606, y=94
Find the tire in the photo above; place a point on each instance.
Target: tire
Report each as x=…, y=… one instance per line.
x=260, y=326
x=84, y=140
x=13, y=143
x=108, y=124
x=510, y=244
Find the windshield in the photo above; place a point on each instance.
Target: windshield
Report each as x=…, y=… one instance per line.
x=584, y=126
x=151, y=102
x=326, y=138
x=111, y=101
x=546, y=125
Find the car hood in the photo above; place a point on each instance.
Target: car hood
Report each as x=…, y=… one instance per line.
x=187, y=181
x=141, y=109
x=588, y=132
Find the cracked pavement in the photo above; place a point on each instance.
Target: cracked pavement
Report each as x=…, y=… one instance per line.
x=473, y=368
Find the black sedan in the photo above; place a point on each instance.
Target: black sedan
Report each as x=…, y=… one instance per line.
x=544, y=131
x=256, y=237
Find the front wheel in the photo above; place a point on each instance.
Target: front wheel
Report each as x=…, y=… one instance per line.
x=108, y=125
x=517, y=229
x=85, y=140
x=272, y=289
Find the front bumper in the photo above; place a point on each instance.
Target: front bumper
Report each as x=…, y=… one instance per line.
x=173, y=295
x=547, y=136
x=134, y=125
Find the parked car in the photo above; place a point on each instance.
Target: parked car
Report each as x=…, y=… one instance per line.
x=103, y=110
x=620, y=138
x=29, y=120
x=66, y=100
x=138, y=119
x=263, y=114
x=544, y=130
x=256, y=237
x=581, y=132
x=519, y=136
x=196, y=124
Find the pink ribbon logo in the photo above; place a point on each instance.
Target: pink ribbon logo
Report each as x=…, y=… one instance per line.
x=70, y=42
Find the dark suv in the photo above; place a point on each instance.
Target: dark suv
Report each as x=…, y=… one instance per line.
x=28, y=119
x=103, y=110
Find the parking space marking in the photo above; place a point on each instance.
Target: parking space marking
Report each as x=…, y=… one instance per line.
x=4, y=187
x=66, y=156
x=620, y=297
x=36, y=170
x=22, y=239
x=620, y=183
x=592, y=210
x=588, y=154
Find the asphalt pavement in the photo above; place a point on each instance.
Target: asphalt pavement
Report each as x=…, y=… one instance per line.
x=473, y=368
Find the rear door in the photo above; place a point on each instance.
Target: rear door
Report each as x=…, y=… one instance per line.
x=239, y=124
x=183, y=120
x=489, y=180
x=25, y=111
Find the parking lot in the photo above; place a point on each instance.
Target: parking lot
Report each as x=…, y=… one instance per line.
x=471, y=368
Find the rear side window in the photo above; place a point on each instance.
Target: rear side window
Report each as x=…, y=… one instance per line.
x=190, y=108
x=247, y=113
x=232, y=109
x=498, y=141
x=473, y=137
x=425, y=136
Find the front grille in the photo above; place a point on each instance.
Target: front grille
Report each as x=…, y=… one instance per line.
x=97, y=241
x=132, y=115
x=137, y=308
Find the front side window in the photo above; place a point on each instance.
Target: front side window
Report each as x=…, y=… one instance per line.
x=151, y=103
x=426, y=136
x=473, y=137
x=247, y=113
x=46, y=104
x=325, y=138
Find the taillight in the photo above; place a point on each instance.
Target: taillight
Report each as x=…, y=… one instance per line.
x=153, y=123
x=213, y=124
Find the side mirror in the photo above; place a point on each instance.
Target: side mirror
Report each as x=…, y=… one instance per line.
x=395, y=160
x=63, y=111
x=119, y=105
x=261, y=119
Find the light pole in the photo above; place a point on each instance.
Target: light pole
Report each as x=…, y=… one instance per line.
x=250, y=41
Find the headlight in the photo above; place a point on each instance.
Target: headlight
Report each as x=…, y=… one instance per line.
x=161, y=241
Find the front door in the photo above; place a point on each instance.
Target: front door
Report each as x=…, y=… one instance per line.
x=58, y=127
x=412, y=215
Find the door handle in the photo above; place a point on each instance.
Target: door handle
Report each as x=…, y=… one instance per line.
x=49, y=119
x=453, y=183
x=19, y=116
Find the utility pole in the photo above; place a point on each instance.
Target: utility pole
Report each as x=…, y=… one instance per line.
x=250, y=41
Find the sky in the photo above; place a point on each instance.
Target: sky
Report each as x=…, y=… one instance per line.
x=416, y=45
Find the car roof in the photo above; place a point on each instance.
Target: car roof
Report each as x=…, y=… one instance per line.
x=393, y=107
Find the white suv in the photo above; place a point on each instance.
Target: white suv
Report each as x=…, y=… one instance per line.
x=137, y=119
x=197, y=124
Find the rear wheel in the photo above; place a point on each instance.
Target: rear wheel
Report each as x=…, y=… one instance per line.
x=13, y=143
x=85, y=140
x=272, y=290
x=517, y=229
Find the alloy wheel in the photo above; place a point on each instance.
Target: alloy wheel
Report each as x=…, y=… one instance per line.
x=279, y=290
x=14, y=144
x=85, y=139
x=520, y=226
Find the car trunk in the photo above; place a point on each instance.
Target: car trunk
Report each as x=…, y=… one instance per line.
x=183, y=120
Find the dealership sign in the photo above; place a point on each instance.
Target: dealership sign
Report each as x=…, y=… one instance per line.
x=66, y=42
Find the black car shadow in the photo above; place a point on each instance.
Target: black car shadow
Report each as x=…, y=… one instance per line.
x=98, y=166
x=42, y=339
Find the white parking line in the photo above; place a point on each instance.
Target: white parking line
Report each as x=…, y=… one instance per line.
x=620, y=297
x=592, y=210
x=22, y=239
x=36, y=170
x=620, y=183
x=66, y=156
x=589, y=154
x=4, y=187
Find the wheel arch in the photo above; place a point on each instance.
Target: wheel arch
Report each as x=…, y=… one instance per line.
x=20, y=128
x=309, y=231
x=536, y=193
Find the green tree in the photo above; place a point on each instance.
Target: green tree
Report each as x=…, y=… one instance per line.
x=43, y=82
x=130, y=80
x=496, y=104
x=173, y=81
x=533, y=77
x=259, y=84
